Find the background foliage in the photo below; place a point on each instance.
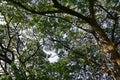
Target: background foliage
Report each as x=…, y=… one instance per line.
x=31, y=29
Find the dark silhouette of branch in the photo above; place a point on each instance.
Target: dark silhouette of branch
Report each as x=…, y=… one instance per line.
x=91, y=8
x=117, y=43
x=86, y=30
x=5, y=71
x=38, y=47
x=70, y=11
x=32, y=10
x=113, y=29
x=109, y=14
x=91, y=21
x=63, y=9
x=5, y=59
x=112, y=33
x=7, y=50
x=58, y=41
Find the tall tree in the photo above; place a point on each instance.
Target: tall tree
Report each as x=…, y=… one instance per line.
x=84, y=34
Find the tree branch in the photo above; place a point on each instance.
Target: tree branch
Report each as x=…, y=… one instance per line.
x=38, y=47
x=63, y=9
x=117, y=43
x=114, y=27
x=112, y=33
x=33, y=11
x=5, y=59
x=7, y=50
x=86, y=30
x=58, y=41
x=109, y=14
x=90, y=21
x=6, y=72
x=91, y=8
x=70, y=11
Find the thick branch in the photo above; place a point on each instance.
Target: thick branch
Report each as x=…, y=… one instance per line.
x=91, y=21
x=63, y=9
x=70, y=11
x=33, y=11
x=91, y=8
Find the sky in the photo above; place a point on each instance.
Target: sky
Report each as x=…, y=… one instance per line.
x=53, y=56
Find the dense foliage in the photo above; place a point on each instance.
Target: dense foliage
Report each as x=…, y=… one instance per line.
x=82, y=36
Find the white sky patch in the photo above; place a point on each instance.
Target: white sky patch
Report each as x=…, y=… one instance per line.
x=2, y=22
x=53, y=56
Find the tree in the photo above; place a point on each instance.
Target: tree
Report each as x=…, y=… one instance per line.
x=83, y=33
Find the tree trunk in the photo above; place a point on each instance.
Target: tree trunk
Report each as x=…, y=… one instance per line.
x=115, y=61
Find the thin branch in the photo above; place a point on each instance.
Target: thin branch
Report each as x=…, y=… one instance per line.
x=7, y=50
x=7, y=23
x=113, y=30
x=118, y=43
x=86, y=30
x=8, y=29
x=4, y=69
x=112, y=33
x=75, y=24
x=32, y=54
x=5, y=59
x=58, y=41
x=110, y=15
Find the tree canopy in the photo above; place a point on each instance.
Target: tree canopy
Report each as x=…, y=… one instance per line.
x=84, y=35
